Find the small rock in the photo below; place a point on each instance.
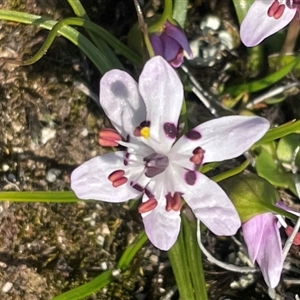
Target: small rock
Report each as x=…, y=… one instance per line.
x=7, y=287
x=52, y=175
x=47, y=134
x=5, y=167
x=84, y=132
x=105, y=230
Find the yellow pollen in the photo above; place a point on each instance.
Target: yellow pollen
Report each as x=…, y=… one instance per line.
x=145, y=132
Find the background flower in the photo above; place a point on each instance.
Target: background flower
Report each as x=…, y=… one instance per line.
x=262, y=20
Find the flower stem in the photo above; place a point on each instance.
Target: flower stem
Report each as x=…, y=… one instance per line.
x=186, y=260
x=180, y=268
x=168, y=10
x=194, y=254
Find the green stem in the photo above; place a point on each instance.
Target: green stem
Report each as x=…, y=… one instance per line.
x=231, y=172
x=131, y=251
x=83, y=23
x=99, y=59
x=166, y=16
x=168, y=10
x=179, y=263
x=194, y=254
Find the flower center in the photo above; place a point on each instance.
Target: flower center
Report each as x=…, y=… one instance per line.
x=155, y=164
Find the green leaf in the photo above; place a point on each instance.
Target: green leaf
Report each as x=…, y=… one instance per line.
x=280, y=131
x=269, y=167
x=250, y=194
x=89, y=288
x=286, y=147
x=54, y=196
x=265, y=82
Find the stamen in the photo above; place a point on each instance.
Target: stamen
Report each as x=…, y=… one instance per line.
x=116, y=175
x=147, y=206
x=145, y=132
x=117, y=178
x=198, y=156
x=109, y=138
x=276, y=10
x=120, y=182
x=173, y=203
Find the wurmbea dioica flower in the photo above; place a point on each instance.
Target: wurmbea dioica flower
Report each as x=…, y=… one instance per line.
x=262, y=237
x=155, y=163
x=170, y=44
x=261, y=234
x=266, y=17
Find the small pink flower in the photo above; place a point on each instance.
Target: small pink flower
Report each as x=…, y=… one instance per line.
x=265, y=17
x=261, y=234
x=170, y=44
x=158, y=165
x=262, y=237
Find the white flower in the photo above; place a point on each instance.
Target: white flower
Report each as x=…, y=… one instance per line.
x=157, y=165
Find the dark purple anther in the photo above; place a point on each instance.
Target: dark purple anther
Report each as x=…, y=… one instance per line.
x=193, y=135
x=170, y=130
x=190, y=177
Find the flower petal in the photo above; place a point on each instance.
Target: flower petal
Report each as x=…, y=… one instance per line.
x=209, y=203
x=121, y=101
x=263, y=240
x=178, y=35
x=257, y=25
x=90, y=180
x=162, y=92
x=172, y=47
x=223, y=138
x=162, y=227
x=157, y=44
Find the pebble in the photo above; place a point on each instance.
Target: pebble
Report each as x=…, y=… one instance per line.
x=104, y=266
x=5, y=167
x=105, y=230
x=84, y=132
x=52, y=175
x=47, y=134
x=7, y=287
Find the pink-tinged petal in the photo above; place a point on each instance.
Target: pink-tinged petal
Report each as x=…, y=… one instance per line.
x=208, y=201
x=162, y=227
x=90, y=180
x=157, y=44
x=162, y=92
x=177, y=61
x=121, y=101
x=178, y=35
x=263, y=241
x=257, y=25
x=223, y=138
